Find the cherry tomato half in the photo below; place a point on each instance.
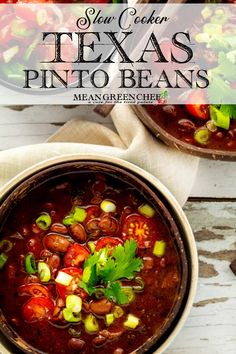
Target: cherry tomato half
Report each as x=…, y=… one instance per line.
x=37, y=309
x=64, y=291
x=34, y=290
x=141, y=229
x=93, y=212
x=75, y=255
x=197, y=107
x=110, y=242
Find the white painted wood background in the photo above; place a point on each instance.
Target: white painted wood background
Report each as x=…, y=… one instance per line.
x=211, y=326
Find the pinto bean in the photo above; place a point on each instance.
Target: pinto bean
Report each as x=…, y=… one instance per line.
x=98, y=341
x=110, y=335
x=76, y=344
x=54, y=263
x=56, y=243
x=108, y=225
x=35, y=229
x=147, y=263
x=58, y=228
x=118, y=351
x=101, y=307
x=33, y=245
x=11, y=271
x=78, y=232
x=92, y=228
x=186, y=125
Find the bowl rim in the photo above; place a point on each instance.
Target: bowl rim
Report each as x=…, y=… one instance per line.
x=176, y=208
x=178, y=144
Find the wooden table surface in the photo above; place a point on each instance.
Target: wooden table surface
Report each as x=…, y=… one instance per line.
x=211, y=326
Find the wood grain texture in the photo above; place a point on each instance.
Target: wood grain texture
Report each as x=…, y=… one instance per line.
x=211, y=326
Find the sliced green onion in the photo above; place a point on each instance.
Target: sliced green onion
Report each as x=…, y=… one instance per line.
x=129, y=293
x=92, y=246
x=87, y=274
x=63, y=278
x=74, y=303
x=159, y=248
x=30, y=264
x=79, y=214
x=91, y=324
x=202, y=135
x=9, y=54
x=107, y=206
x=68, y=220
x=3, y=259
x=44, y=272
x=70, y=316
x=206, y=12
x=118, y=312
x=212, y=29
x=110, y=319
x=6, y=245
x=44, y=221
x=211, y=126
x=99, y=293
x=132, y=321
x=140, y=284
x=20, y=30
x=74, y=333
x=202, y=37
x=220, y=120
x=146, y=210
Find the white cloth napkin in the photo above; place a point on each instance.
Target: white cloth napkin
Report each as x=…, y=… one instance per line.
x=132, y=142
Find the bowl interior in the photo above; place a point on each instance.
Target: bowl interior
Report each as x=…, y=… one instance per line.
x=144, y=187
x=178, y=144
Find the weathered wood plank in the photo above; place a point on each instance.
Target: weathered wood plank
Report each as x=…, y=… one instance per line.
x=210, y=328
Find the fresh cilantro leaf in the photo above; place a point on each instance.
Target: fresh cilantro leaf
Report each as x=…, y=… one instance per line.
x=114, y=292
x=226, y=67
x=125, y=262
x=107, y=270
x=220, y=91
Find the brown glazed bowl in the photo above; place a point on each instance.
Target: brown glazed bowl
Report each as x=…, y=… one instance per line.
x=175, y=219
x=170, y=140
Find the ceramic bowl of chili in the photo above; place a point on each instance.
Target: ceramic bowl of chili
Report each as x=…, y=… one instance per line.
x=207, y=131
x=96, y=256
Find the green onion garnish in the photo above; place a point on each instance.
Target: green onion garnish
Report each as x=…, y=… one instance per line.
x=3, y=259
x=30, y=264
x=44, y=221
x=159, y=248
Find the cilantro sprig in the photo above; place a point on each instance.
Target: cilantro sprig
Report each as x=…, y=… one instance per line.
x=107, y=270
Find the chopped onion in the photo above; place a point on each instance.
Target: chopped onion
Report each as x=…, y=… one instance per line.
x=63, y=278
x=107, y=206
x=132, y=321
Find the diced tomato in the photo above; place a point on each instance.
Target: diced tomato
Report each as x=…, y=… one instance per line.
x=141, y=229
x=37, y=309
x=34, y=290
x=110, y=242
x=93, y=211
x=197, y=106
x=64, y=291
x=75, y=255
